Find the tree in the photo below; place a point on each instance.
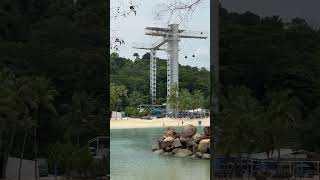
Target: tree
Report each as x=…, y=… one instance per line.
x=198, y=99
x=80, y=114
x=117, y=93
x=27, y=124
x=283, y=116
x=185, y=100
x=38, y=93
x=136, y=55
x=236, y=124
x=136, y=98
x=11, y=110
x=177, y=11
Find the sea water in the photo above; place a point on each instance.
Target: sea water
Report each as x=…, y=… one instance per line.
x=131, y=158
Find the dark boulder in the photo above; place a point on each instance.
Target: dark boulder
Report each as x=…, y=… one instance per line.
x=167, y=142
x=206, y=131
x=188, y=131
x=176, y=143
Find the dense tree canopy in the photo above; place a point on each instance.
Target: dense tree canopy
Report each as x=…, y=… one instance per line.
x=53, y=60
x=280, y=63
x=134, y=75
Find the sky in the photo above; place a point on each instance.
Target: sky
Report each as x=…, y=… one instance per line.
x=287, y=9
x=131, y=30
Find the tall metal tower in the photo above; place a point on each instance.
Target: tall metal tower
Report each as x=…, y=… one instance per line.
x=171, y=37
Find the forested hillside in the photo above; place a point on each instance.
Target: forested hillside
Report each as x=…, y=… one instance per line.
x=269, y=72
x=134, y=75
x=53, y=82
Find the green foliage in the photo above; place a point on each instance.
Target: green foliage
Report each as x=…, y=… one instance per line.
x=117, y=94
x=57, y=79
x=270, y=56
x=134, y=75
x=238, y=121
x=136, y=98
x=75, y=161
x=185, y=100
x=173, y=99
x=269, y=124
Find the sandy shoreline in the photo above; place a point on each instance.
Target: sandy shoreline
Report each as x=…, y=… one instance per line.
x=128, y=123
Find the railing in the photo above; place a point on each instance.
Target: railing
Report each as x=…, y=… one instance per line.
x=237, y=167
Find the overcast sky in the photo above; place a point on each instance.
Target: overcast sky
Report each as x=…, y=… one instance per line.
x=131, y=29
x=287, y=9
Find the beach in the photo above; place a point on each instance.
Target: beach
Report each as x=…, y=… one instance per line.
x=128, y=123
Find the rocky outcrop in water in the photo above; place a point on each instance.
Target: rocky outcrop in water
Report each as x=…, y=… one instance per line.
x=186, y=143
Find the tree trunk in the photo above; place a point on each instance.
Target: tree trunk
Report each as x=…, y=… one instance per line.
x=241, y=170
x=1, y=155
x=6, y=154
x=278, y=168
x=55, y=170
x=35, y=154
x=22, y=153
x=78, y=137
x=0, y=142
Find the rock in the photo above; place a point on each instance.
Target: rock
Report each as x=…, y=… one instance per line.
x=155, y=147
x=206, y=156
x=161, y=139
x=197, y=137
x=204, y=145
x=205, y=136
x=168, y=132
x=191, y=143
x=199, y=155
x=167, y=142
x=206, y=131
x=183, y=153
x=195, y=148
x=166, y=154
x=185, y=140
x=160, y=151
x=188, y=131
x=193, y=156
x=177, y=135
x=176, y=143
x=175, y=150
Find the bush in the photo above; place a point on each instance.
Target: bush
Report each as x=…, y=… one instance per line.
x=75, y=162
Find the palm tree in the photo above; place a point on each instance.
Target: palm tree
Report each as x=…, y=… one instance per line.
x=8, y=119
x=198, y=99
x=26, y=123
x=237, y=121
x=135, y=99
x=117, y=92
x=37, y=93
x=185, y=100
x=10, y=110
x=282, y=116
x=80, y=113
x=55, y=156
x=173, y=99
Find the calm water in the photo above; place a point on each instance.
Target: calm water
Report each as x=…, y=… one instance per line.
x=132, y=159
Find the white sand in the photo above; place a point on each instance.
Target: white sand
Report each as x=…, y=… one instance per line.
x=127, y=123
